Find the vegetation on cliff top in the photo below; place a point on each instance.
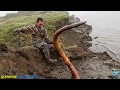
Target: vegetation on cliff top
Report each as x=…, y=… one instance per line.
x=10, y=22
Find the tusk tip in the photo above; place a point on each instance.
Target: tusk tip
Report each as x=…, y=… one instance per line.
x=85, y=22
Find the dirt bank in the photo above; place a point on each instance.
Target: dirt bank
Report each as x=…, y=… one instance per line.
x=30, y=61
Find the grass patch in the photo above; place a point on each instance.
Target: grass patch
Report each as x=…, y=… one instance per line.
x=7, y=25
x=69, y=47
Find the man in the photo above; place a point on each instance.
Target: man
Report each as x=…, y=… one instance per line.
x=39, y=37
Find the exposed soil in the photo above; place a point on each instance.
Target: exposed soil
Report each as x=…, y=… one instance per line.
x=31, y=61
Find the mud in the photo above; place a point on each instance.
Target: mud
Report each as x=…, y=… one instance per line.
x=75, y=43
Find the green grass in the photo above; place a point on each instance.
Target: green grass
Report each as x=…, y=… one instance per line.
x=69, y=47
x=7, y=25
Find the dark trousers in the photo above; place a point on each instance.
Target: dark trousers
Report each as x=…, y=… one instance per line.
x=44, y=47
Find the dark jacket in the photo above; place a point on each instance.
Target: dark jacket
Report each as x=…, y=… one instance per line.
x=38, y=34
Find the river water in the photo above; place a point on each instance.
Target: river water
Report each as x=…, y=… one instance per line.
x=106, y=26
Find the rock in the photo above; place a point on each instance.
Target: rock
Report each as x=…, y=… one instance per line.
x=95, y=37
x=3, y=48
x=77, y=19
x=72, y=19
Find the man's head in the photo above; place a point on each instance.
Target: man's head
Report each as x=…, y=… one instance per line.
x=39, y=22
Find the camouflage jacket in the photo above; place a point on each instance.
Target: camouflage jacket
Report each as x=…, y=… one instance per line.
x=38, y=34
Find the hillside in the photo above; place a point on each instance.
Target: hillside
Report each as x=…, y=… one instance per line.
x=11, y=22
x=28, y=60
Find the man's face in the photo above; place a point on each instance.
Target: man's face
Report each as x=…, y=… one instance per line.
x=40, y=23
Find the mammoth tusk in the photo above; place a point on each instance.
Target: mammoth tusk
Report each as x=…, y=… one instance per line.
x=60, y=51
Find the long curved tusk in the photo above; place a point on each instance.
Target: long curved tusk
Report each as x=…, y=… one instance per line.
x=60, y=51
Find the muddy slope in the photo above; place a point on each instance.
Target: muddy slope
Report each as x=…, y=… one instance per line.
x=30, y=61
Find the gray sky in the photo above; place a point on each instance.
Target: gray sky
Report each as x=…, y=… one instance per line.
x=3, y=13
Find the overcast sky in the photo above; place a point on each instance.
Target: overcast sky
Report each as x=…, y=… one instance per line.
x=3, y=13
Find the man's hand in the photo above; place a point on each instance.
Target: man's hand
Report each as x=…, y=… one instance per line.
x=16, y=31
